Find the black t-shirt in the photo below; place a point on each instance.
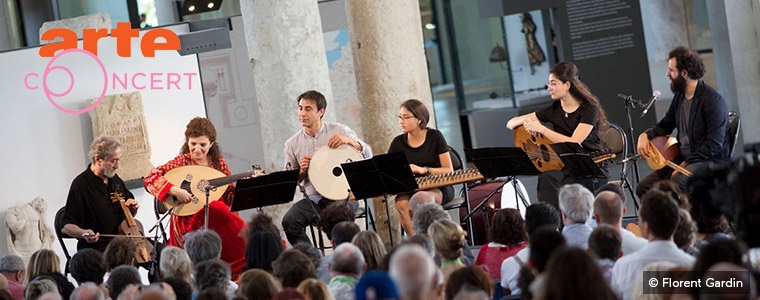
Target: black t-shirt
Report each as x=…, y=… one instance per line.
x=425, y=155
x=565, y=123
x=89, y=206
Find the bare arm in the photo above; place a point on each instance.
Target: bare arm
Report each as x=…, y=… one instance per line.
x=519, y=120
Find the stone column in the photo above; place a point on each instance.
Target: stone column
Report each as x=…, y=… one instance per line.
x=736, y=46
x=389, y=58
x=658, y=15
x=8, y=26
x=287, y=55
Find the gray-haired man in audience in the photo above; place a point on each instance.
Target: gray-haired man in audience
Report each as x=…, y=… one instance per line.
x=12, y=267
x=576, y=203
x=346, y=266
x=415, y=273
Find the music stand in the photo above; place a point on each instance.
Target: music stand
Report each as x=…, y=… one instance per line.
x=271, y=189
x=577, y=161
x=381, y=175
x=500, y=162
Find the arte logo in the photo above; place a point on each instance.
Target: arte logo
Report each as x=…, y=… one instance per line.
x=67, y=58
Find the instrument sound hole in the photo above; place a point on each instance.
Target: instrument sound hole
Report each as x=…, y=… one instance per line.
x=337, y=171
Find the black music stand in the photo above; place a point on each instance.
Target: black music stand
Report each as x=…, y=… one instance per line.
x=577, y=161
x=271, y=189
x=501, y=162
x=381, y=175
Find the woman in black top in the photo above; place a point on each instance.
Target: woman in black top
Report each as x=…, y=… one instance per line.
x=427, y=153
x=577, y=117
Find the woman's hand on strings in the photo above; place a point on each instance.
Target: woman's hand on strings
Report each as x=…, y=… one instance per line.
x=534, y=127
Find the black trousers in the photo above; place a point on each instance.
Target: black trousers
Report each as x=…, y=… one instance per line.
x=304, y=213
x=650, y=180
x=550, y=182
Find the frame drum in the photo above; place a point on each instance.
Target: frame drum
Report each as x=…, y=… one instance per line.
x=326, y=174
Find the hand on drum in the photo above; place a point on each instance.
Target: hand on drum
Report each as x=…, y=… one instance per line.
x=304, y=163
x=337, y=140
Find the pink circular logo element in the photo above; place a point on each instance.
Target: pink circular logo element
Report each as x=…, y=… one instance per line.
x=48, y=92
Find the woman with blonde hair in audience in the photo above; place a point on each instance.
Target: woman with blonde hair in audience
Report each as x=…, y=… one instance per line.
x=449, y=239
x=372, y=247
x=257, y=284
x=315, y=289
x=41, y=262
x=176, y=263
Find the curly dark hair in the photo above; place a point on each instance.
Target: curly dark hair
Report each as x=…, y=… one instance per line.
x=258, y=222
x=507, y=228
x=332, y=215
x=203, y=127
x=689, y=60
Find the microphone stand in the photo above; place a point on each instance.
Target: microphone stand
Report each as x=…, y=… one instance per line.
x=631, y=103
x=205, y=207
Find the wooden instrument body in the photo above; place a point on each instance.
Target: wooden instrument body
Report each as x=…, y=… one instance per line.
x=132, y=227
x=662, y=151
x=537, y=148
x=542, y=155
x=194, y=179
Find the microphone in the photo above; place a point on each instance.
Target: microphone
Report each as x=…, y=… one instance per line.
x=288, y=166
x=655, y=96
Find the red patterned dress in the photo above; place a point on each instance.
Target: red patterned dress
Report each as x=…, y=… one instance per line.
x=227, y=224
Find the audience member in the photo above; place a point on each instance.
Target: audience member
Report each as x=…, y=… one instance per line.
x=64, y=286
x=658, y=217
x=35, y=289
x=212, y=293
x=331, y=216
x=120, y=278
x=543, y=243
x=315, y=289
x=12, y=268
x=506, y=236
x=175, y=263
x=572, y=274
x=376, y=285
x=425, y=215
x=257, y=284
x=262, y=249
x=372, y=248
x=663, y=267
x=214, y=273
x=576, y=203
x=605, y=244
x=6, y=295
x=726, y=272
x=182, y=289
x=289, y=294
x=449, y=239
x=342, y=232
x=472, y=276
x=88, y=265
x=261, y=221
x=292, y=267
x=346, y=266
x=88, y=290
x=609, y=209
x=313, y=253
x=203, y=245
x=414, y=273
x=41, y=262
x=536, y=215
x=686, y=233
x=120, y=252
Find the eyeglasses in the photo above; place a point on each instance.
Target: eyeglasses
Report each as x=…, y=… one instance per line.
x=405, y=117
x=553, y=84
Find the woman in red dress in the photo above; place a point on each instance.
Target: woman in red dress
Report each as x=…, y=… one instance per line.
x=200, y=148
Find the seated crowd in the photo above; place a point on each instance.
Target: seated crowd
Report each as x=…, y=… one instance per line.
x=581, y=251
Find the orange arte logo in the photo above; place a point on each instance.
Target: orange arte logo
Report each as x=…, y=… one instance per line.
x=123, y=33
